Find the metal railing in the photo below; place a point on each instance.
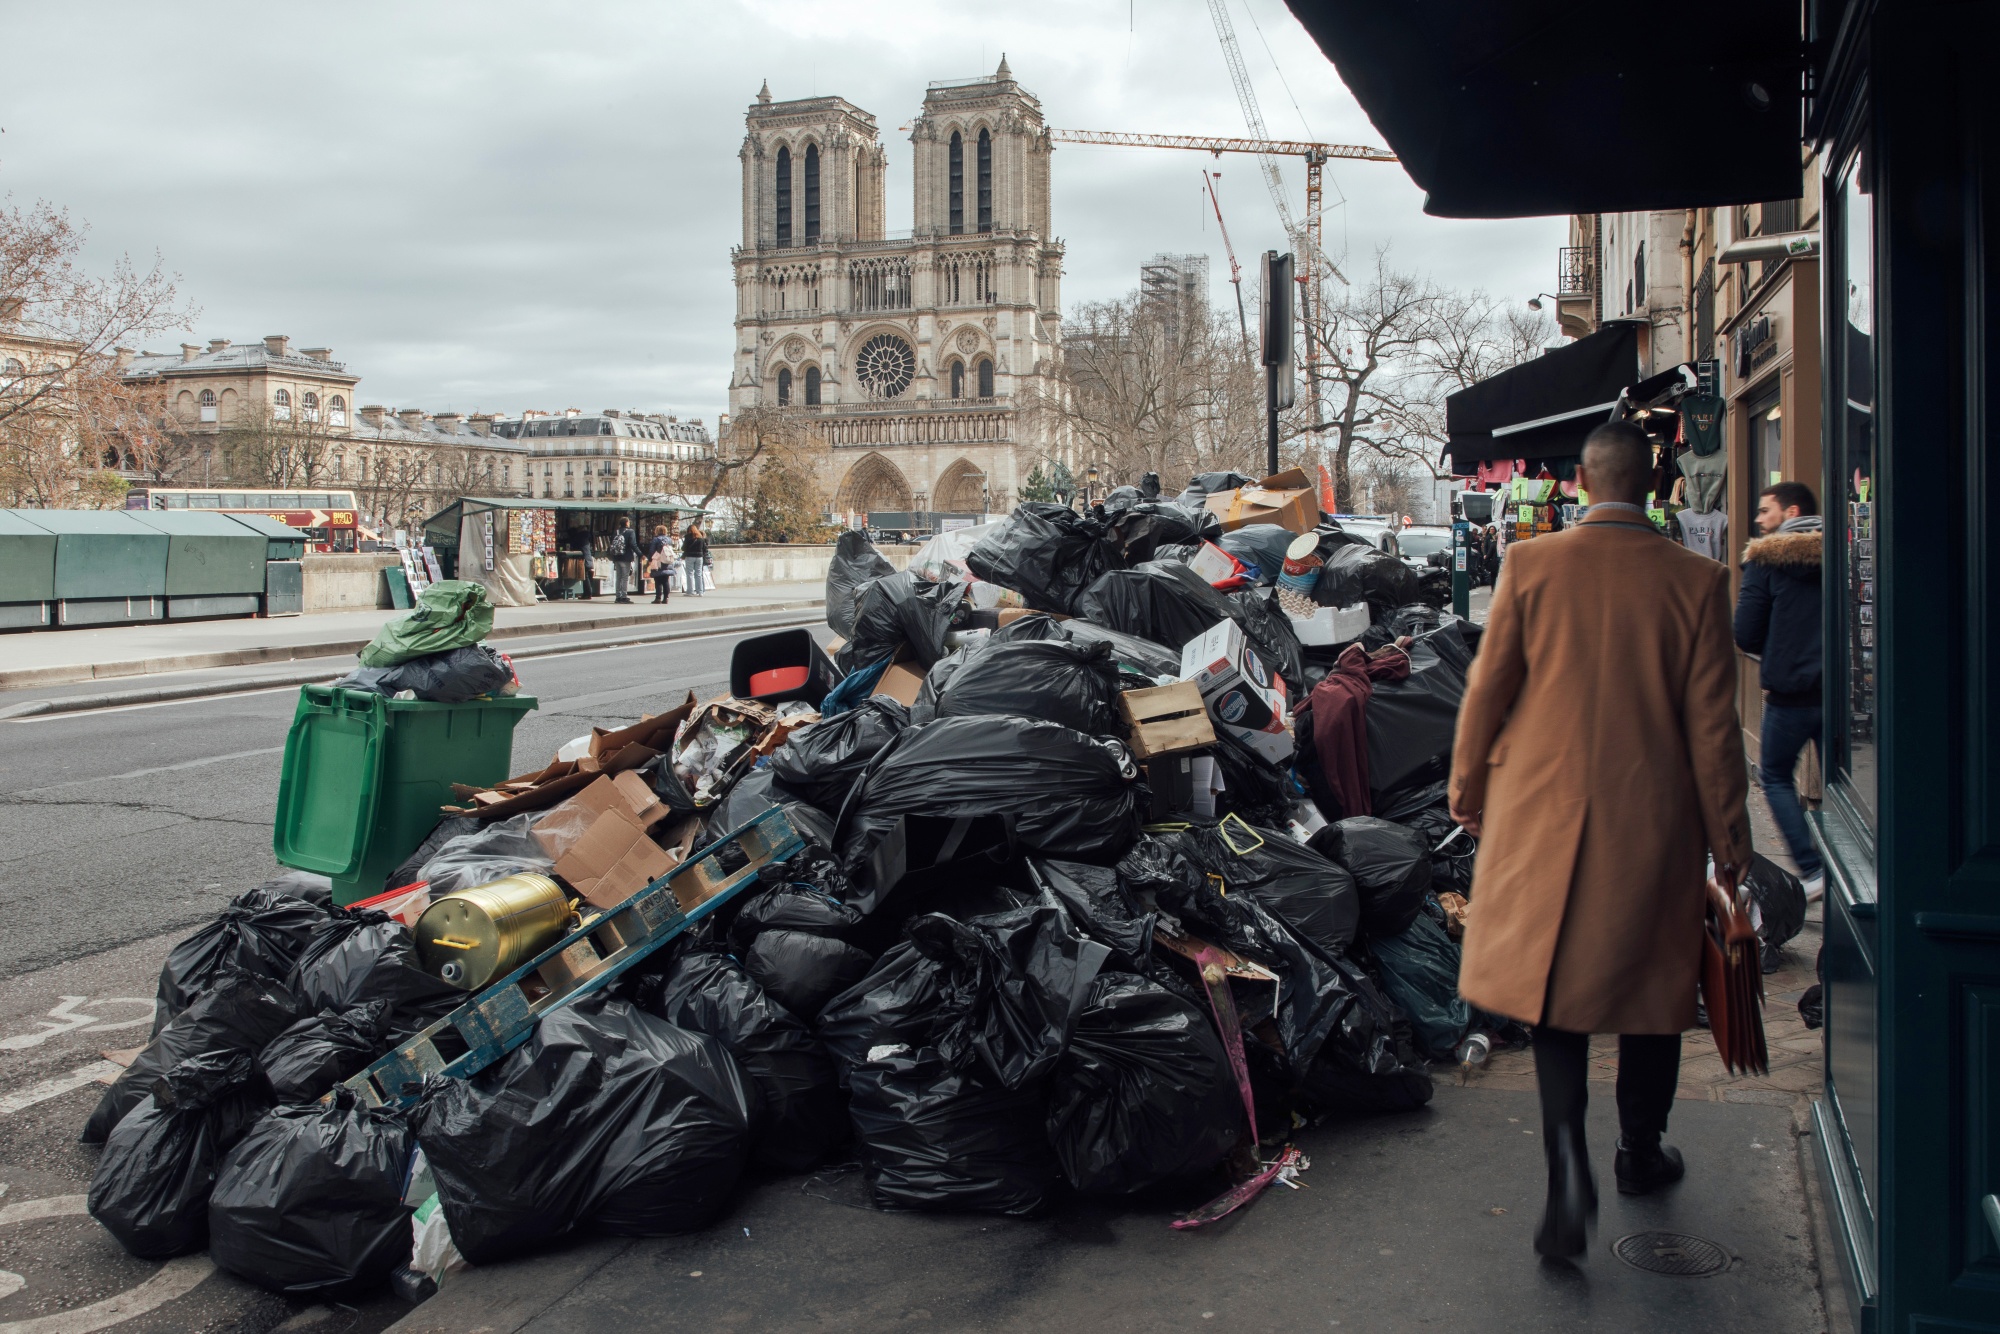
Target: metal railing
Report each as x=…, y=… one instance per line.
x=1573, y=276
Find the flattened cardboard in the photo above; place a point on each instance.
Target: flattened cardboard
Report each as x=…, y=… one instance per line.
x=610, y=752
x=902, y=680
x=569, y=823
x=1287, y=499
x=614, y=860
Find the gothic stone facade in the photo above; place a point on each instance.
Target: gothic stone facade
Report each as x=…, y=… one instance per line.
x=916, y=355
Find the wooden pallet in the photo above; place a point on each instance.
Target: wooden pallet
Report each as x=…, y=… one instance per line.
x=500, y=1018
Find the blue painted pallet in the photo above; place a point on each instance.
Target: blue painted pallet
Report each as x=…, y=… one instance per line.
x=500, y=1018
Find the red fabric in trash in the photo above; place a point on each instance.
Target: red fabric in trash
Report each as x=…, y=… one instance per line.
x=1340, y=723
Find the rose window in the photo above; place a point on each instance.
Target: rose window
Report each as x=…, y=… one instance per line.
x=886, y=366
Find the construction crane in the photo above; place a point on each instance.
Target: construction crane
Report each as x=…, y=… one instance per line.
x=1235, y=269
x=1305, y=241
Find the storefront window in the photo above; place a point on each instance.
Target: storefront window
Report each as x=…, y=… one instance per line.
x=1767, y=442
x=1852, y=358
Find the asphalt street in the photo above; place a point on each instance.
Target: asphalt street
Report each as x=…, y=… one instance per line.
x=120, y=831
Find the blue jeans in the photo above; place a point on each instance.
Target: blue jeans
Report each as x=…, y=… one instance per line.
x=1785, y=732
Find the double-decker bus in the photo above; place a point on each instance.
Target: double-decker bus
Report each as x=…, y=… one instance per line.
x=329, y=519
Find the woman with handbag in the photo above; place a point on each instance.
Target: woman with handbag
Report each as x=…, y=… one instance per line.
x=1599, y=757
x=660, y=563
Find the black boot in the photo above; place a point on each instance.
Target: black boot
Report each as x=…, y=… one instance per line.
x=1642, y=1169
x=1572, y=1203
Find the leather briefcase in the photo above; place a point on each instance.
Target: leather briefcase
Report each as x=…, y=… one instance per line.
x=1732, y=984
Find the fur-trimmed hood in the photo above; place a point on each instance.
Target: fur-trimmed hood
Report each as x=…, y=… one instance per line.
x=1799, y=553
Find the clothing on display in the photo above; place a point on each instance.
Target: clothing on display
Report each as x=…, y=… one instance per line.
x=1701, y=423
x=1705, y=534
x=1707, y=478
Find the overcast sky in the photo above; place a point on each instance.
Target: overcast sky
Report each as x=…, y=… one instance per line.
x=507, y=205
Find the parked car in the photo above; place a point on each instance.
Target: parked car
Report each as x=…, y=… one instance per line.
x=1376, y=529
x=1419, y=544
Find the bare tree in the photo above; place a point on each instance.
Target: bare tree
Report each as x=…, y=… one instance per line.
x=279, y=447
x=752, y=435
x=1151, y=385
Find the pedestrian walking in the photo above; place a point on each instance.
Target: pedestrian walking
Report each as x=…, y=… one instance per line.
x=1778, y=619
x=660, y=563
x=624, y=551
x=1599, y=757
x=694, y=559
x=1489, y=542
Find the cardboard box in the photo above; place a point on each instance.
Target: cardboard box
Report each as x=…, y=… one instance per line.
x=613, y=860
x=1243, y=697
x=626, y=794
x=609, y=753
x=902, y=679
x=1287, y=499
x=1214, y=564
x=1330, y=625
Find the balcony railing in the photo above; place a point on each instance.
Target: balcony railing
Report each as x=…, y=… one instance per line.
x=1573, y=271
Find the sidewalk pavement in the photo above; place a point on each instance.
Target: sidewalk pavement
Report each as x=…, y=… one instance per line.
x=1407, y=1221
x=58, y=657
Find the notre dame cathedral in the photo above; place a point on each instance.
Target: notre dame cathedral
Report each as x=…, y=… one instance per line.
x=917, y=352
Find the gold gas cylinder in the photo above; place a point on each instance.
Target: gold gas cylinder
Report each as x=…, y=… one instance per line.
x=469, y=937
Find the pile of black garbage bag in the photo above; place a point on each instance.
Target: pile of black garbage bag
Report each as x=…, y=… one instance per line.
x=979, y=980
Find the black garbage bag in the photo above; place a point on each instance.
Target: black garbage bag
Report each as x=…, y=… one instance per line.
x=1314, y=896
x=451, y=677
x=1073, y=685
x=1055, y=790
x=309, y=1058
x=947, y=1048
x=607, y=1117
x=900, y=609
x=1260, y=545
x=790, y=906
x=1389, y=862
x=855, y=563
x=302, y=885
x=261, y=931
x=1346, y=1046
x=1270, y=632
x=361, y=956
x=489, y=852
x=1204, y=485
x=1427, y=810
x=1416, y=619
x=1355, y=572
x=1780, y=897
x=758, y=791
x=821, y=761
x=1145, y=1094
x=310, y=1202
x=1140, y=530
x=1418, y=968
x=1434, y=588
x=240, y=1012
x=1161, y=601
x=1411, y=722
x=1099, y=906
x=804, y=1113
x=1253, y=787
x=1046, y=553
x=1136, y=657
x=803, y=972
x=412, y=868
x=152, y=1183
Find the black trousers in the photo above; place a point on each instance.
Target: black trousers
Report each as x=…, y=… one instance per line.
x=1649, y=1070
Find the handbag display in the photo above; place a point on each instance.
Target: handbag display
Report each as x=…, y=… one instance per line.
x=1732, y=984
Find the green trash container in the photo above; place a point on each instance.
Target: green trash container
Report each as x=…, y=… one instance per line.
x=364, y=776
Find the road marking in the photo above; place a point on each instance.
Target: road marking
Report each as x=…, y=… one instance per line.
x=55, y=1088
x=11, y=1283
x=67, y=1020
x=176, y=1279
x=52, y=1206
x=149, y=704
x=142, y=773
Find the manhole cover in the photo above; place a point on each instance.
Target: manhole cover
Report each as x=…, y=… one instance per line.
x=1673, y=1253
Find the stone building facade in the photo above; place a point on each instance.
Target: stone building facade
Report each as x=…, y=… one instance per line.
x=918, y=356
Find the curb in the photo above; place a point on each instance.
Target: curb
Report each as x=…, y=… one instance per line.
x=28, y=678
x=161, y=694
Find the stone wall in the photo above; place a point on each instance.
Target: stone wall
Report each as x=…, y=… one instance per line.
x=348, y=582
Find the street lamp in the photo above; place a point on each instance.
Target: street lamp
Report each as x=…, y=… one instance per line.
x=1090, y=476
x=1535, y=301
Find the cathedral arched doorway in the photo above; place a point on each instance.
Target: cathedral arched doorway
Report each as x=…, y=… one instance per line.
x=960, y=489
x=873, y=484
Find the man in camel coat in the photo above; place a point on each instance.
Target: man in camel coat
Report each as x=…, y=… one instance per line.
x=1600, y=758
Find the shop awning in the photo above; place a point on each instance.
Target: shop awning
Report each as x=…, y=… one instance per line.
x=1542, y=409
x=1535, y=107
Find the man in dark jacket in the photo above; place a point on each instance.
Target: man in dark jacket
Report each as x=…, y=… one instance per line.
x=1778, y=618
x=624, y=551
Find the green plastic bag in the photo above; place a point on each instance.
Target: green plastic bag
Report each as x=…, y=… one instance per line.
x=450, y=614
x=1419, y=970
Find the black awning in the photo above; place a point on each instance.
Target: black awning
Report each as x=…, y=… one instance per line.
x=1531, y=107
x=1542, y=409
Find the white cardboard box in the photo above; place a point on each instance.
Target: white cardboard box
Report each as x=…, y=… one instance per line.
x=1331, y=625
x=1243, y=696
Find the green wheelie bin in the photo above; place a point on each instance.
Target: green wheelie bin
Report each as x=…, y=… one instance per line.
x=364, y=777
